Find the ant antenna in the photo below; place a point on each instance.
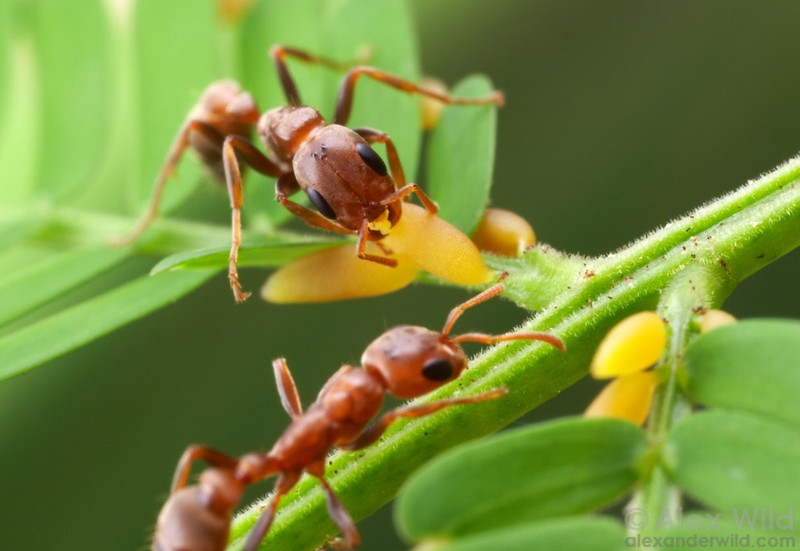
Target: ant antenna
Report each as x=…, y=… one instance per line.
x=483, y=338
x=456, y=312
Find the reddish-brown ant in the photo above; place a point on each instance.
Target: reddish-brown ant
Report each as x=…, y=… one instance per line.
x=346, y=181
x=406, y=362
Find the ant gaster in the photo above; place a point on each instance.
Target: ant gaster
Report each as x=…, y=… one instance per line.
x=406, y=362
x=345, y=180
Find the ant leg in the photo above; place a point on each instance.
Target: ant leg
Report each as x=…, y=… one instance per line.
x=194, y=453
x=287, y=185
x=375, y=431
x=344, y=102
x=407, y=190
x=372, y=135
x=403, y=189
x=285, y=483
x=223, y=106
x=286, y=388
x=179, y=145
x=336, y=509
x=361, y=248
x=279, y=51
x=231, y=146
x=233, y=179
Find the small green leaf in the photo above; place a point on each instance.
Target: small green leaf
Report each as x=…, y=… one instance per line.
x=170, y=76
x=734, y=460
x=17, y=230
x=78, y=325
x=750, y=365
x=30, y=287
x=586, y=534
x=6, y=30
x=75, y=98
x=461, y=156
x=20, y=138
x=554, y=469
x=269, y=253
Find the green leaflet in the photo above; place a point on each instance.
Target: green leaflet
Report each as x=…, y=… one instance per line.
x=736, y=460
x=461, y=156
x=75, y=103
x=274, y=254
x=85, y=322
x=73, y=268
x=555, y=469
x=750, y=365
x=584, y=533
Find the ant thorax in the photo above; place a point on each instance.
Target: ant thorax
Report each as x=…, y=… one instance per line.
x=284, y=129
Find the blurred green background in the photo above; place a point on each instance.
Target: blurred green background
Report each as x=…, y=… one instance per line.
x=620, y=116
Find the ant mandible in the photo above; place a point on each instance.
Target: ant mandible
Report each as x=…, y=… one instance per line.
x=406, y=362
x=346, y=181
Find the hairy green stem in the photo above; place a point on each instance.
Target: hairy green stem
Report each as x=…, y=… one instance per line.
x=726, y=241
x=691, y=291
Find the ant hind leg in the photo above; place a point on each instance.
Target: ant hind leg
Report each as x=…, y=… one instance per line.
x=336, y=509
x=285, y=483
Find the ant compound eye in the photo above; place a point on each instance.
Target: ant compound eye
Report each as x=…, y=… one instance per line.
x=320, y=203
x=438, y=370
x=372, y=159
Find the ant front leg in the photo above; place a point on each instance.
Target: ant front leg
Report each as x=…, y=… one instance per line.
x=375, y=431
x=403, y=190
x=344, y=103
x=361, y=247
x=233, y=180
x=194, y=453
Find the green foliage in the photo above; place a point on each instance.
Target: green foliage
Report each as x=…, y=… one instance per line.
x=85, y=134
x=461, y=183
x=586, y=533
x=129, y=113
x=76, y=325
x=746, y=366
x=555, y=469
x=733, y=460
x=740, y=461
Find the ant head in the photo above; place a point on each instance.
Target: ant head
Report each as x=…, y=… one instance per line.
x=284, y=129
x=412, y=361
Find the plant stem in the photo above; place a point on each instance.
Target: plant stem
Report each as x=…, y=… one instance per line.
x=725, y=241
x=658, y=501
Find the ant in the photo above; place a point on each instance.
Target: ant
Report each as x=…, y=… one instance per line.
x=406, y=362
x=345, y=180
